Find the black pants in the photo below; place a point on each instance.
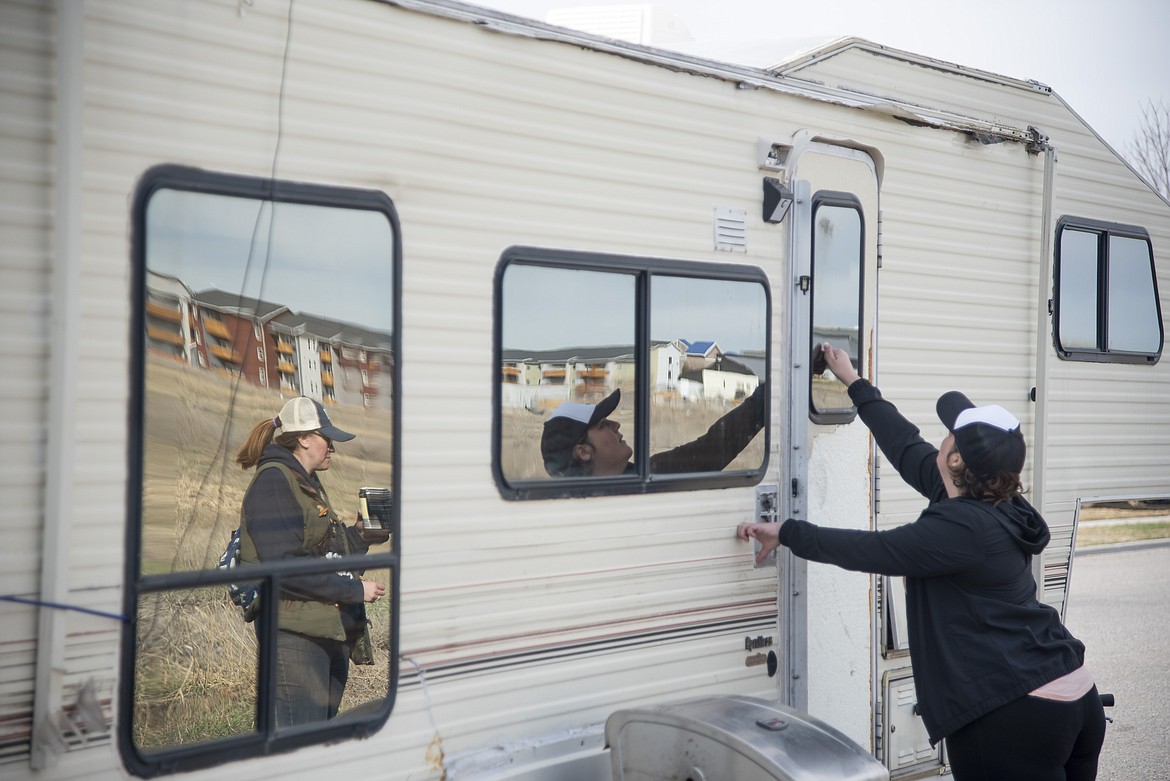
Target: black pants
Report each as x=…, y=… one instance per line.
x=310, y=678
x=1031, y=739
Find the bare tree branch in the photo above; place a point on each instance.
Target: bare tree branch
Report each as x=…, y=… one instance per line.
x=1150, y=149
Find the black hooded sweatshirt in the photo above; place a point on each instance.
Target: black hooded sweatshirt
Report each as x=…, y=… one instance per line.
x=979, y=638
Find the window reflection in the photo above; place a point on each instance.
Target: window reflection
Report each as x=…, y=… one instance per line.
x=572, y=380
x=567, y=336
x=195, y=670
x=247, y=304
x=837, y=258
x=707, y=360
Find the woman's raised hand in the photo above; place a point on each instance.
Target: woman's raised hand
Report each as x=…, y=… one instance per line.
x=840, y=365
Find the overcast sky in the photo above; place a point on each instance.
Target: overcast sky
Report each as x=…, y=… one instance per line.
x=1104, y=58
x=329, y=262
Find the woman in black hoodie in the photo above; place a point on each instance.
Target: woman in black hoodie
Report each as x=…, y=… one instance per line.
x=996, y=672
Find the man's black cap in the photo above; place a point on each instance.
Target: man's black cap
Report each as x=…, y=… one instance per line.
x=988, y=438
x=567, y=426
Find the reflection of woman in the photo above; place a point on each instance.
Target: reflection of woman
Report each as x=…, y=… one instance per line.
x=996, y=673
x=286, y=514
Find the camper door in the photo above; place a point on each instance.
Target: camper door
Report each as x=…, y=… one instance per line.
x=835, y=251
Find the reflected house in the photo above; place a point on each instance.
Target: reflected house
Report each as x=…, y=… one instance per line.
x=666, y=366
x=234, y=340
x=170, y=318
x=729, y=380
x=755, y=360
x=268, y=344
x=843, y=337
x=331, y=361
x=699, y=355
x=726, y=379
x=358, y=367
x=542, y=379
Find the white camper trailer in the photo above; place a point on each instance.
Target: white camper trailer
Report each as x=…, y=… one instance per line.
x=441, y=222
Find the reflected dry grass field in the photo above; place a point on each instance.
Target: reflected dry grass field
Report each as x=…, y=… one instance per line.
x=196, y=673
x=673, y=422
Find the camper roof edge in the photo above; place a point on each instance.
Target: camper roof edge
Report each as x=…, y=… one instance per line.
x=746, y=77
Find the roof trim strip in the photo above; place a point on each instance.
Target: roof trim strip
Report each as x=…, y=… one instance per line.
x=743, y=77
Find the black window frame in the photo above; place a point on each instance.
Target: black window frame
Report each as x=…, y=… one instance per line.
x=265, y=739
x=842, y=415
x=1101, y=352
x=643, y=268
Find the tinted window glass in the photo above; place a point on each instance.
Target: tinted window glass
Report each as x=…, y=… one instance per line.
x=246, y=302
x=838, y=253
x=612, y=370
x=1133, y=310
x=568, y=335
x=707, y=358
x=1106, y=304
x=1078, y=290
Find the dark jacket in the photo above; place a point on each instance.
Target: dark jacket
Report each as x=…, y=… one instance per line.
x=710, y=452
x=278, y=523
x=979, y=638
x=721, y=443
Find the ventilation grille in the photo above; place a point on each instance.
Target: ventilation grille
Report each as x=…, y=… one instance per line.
x=730, y=229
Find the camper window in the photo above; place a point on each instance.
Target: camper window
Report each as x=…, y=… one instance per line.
x=271, y=281
x=837, y=292
x=683, y=345
x=1106, y=304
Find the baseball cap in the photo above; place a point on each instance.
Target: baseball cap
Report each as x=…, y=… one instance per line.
x=567, y=425
x=304, y=414
x=988, y=438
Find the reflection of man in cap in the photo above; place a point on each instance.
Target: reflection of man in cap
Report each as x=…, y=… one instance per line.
x=580, y=440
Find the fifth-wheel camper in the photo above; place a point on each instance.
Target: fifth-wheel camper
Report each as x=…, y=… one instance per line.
x=441, y=223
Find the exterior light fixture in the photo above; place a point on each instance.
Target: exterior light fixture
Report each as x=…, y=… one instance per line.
x=777, y=200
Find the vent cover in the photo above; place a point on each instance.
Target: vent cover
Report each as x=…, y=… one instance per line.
x=730, y=229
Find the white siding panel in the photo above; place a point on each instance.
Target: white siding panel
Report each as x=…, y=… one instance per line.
x=957, y=289
x=979, y=336
x=481, y=145
x=26, y=63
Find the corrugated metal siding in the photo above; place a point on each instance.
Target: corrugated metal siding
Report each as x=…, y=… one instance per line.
x=1107, y=420
x=983, y=96
x=482, y=142
x=1110, y=422
x=26, y=123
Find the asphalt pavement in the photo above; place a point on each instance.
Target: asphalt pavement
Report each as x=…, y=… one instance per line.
x=1119, y=606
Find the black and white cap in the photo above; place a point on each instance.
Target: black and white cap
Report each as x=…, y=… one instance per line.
x=567, y=426
x=305, y=414
x=988, y=438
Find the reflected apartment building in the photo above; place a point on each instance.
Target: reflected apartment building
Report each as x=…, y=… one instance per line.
x=679, y=369
x=268, y=344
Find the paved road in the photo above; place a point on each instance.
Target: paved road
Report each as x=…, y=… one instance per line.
x=1120, y=608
